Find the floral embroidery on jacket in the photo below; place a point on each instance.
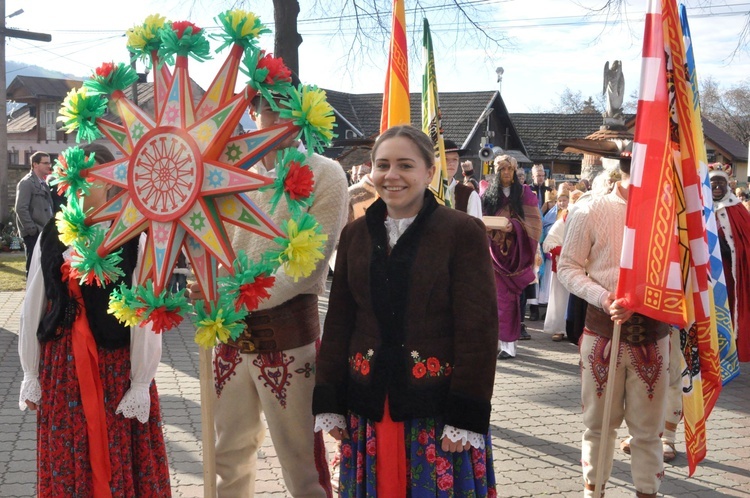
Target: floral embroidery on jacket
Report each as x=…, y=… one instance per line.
x=431, y=367
x=361, y=364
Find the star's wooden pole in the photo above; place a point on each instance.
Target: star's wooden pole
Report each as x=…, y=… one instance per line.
x=207, y=423
x=608, y=395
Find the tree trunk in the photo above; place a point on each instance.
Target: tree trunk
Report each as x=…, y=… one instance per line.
x=287, y=39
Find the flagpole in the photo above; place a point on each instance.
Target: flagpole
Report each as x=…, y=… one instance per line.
x=614, y=353
x=207, y=422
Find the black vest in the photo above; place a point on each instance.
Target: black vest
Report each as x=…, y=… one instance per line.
x=61, y=309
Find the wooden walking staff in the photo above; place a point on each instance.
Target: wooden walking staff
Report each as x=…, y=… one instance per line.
x=614, y=353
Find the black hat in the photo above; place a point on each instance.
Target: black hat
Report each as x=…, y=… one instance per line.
x=451, y=146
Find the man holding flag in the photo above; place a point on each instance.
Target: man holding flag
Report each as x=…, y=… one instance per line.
x=588, y=267
x=665, y=264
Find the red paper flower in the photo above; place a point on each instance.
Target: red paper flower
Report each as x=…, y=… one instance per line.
x=105, y=69
x=179, y=27
x=433, y=365
x=365, y=367
x=299, y=181
x=419, y=370
x=163, y=319
x=251, y=294
x=277, y=70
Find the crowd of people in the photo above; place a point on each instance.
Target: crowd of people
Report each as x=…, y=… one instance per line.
x=425, y=298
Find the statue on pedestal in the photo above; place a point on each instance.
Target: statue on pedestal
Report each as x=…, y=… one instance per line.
x=614, y=89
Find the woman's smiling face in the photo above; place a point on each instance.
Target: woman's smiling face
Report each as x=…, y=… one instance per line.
x=400, y=175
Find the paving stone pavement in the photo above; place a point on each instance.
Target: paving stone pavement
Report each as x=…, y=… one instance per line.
x=536, y=426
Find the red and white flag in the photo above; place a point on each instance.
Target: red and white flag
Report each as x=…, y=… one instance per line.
x=664, y=268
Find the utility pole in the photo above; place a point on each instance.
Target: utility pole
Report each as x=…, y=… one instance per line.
x=13, y=33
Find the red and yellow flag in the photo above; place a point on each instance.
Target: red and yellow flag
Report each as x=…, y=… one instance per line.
x=396, y=95
x=664, y=269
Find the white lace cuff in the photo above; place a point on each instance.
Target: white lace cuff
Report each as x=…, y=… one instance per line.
x=31, y=390
x=136, y=403
x=475, y=439
x=326, y=422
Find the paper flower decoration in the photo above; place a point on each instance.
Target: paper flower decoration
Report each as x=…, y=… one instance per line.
x=110, y=77
x=219, y=323
x=163, y=310
x=144, y=40
x=239, y=26
x=250, y=282
x=309, y=109
x=67, y=172
x=294, y=181
x=267, y=74
x=121, y=306
x=71, y=222
x=300, y=250
x=89, y=266
x=80, y=112
x=183, y=38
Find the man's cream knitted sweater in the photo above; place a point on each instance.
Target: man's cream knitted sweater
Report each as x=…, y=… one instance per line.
x=589, y=265
x=329, y=208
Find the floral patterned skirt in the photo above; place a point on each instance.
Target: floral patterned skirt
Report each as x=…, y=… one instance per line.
x=430, y=472
x=137, y=452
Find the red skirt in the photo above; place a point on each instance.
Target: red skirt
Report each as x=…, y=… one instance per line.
x=137, y=452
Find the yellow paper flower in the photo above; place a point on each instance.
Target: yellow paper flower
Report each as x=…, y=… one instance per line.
x=252, y=25
x=73, y=100
x=302, y=252
x=211, y=329
x=68, y=231
x=316, y=109
x=140, y=36
x=123, y=313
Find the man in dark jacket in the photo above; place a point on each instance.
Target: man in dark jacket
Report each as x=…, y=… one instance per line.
x=34, y=205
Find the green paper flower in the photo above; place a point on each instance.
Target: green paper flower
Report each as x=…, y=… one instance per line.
x=250, y=283
x=90, y=266
x=71, y=222
x=240, y=27
x=183, y=38
x=109, y=78
x=80, y=112
x=294, y=181
x=66, y=173
x=145, y=40
x=309, y=109
x=220, y=323
x=268, y=74
x=300, y=250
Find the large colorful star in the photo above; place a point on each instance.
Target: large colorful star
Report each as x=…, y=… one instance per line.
x=184, y=175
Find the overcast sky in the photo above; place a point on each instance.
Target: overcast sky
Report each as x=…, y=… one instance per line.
x=550, y=45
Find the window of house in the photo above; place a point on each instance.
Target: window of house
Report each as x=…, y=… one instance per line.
x=13, y=157
x=48, y=120
x=711, y=155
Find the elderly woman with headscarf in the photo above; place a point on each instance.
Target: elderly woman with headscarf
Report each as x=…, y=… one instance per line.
x=513, y=246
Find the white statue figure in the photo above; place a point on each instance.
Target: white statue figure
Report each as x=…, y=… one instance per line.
x=614, y=89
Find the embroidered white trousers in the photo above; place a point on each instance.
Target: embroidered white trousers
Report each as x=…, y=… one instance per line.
x=640, y=393
x=280, y=385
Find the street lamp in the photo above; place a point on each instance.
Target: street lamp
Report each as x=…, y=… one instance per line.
x=16, y=13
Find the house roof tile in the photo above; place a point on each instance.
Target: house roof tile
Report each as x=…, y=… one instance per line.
x=460, y=110
x=731, y=145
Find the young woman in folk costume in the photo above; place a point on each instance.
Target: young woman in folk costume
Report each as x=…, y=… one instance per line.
x=89, y=378
x=513, y=248
x=407, y=360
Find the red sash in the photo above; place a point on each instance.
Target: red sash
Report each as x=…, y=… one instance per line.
x=92, y=394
